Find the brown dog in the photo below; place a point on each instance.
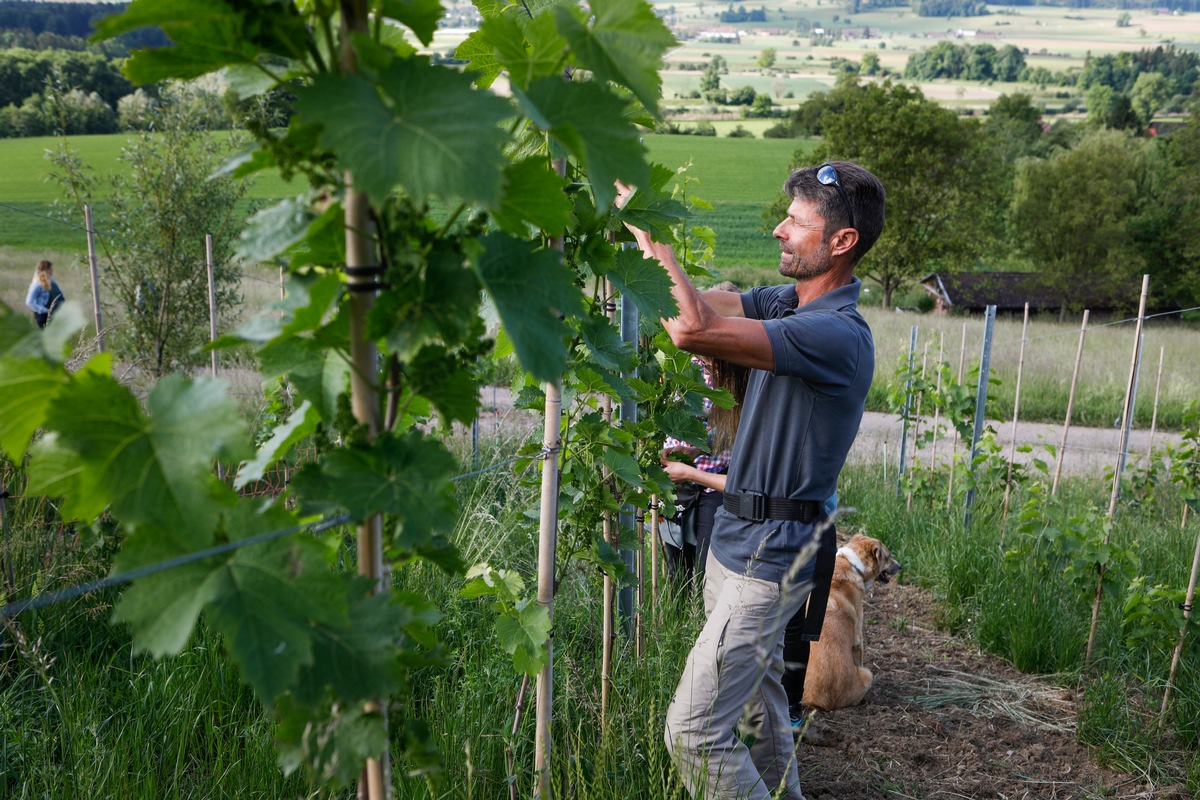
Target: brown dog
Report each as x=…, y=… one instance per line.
x=836, y=677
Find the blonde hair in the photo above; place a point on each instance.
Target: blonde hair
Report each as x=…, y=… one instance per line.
x=42, y=273
x=723, y=422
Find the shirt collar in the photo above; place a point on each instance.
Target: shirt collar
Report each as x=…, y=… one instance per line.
x=830, y=301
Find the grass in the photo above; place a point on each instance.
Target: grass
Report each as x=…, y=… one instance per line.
x=95, y=720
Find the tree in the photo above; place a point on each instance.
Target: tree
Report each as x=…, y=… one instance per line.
x=939, y=174
x=1071, y=212
x=1014, y=126
x=1148, y=94
x=766, y=59
x=162, y=206
x=870, y=64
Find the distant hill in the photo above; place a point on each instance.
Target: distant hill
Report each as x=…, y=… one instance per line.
x=54, y=20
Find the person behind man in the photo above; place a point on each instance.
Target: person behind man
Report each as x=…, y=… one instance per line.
x=812, y=358
x=44, y=296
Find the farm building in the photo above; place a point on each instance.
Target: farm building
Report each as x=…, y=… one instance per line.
x=1010, y=291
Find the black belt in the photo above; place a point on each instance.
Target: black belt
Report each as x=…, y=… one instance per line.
x=757, y=507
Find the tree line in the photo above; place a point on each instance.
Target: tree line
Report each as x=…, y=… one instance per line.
x=1082, y=203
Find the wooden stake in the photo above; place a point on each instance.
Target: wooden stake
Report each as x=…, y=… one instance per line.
x=95, y=270
x=1062, y=447
x=654, y=550
x=547, y=549
x=1154, y=415
x=962, y=361
x=609, y=602
x=212, y=297
x=937, y=409
x=640, y=526
x=1012, y=449
x=1127, y=417
x=1187, y=615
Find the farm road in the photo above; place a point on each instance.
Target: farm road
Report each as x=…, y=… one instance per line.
x=1089, y=450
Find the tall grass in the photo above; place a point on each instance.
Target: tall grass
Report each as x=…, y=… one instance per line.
x=1049, y=363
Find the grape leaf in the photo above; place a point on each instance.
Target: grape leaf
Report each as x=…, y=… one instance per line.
x=605, y=342
x=150, y=468
x=589, y=121
x=524, y=637
x=528, y=51
x=625, y=44
x=27, y=389
x=299, y=425
x=420, y=16
x=403, y=474
x=646, y=283
x=428, y=131
x=532, y=290
x=533, y=195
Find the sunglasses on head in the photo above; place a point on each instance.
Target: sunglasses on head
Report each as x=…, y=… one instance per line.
x=827, y=175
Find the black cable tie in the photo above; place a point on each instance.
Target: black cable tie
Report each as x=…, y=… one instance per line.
x=367, y=271
x=371, y=286
x=4, y=495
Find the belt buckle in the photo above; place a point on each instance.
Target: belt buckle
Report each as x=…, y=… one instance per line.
x=752, y=507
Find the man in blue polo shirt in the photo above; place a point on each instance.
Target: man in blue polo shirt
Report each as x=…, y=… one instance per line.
x=812, y=359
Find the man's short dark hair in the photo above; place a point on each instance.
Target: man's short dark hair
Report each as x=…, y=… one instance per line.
x=863, y=190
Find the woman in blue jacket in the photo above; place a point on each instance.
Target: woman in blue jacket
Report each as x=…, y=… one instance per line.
x=44, y=295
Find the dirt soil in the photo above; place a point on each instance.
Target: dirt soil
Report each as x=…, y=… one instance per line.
x=944, y=720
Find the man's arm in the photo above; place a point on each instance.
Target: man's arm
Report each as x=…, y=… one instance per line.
x=721, y=331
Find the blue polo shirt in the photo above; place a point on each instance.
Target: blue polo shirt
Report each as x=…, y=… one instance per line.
x=797, y=423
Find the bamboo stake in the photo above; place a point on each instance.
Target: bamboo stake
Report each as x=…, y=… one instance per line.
x=937, y=408
x=1062, y=448
x=1127, y=417
x=547, y=546
x=1154, y=415
x=917, y=424
x=212, y=298
x=510, y=758
x=1187, y=615
x=93, y=266
x=1012, y=449
x=962, y=361
x=640, y=526
x=609, y=601
x=547, y=549
x=654, y=545
x=981, y=390
x=912, y=354
x=375, y=783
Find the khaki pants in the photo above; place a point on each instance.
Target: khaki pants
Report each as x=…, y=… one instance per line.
x=733, y=674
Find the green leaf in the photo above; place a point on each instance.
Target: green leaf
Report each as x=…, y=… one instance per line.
x=151, y=468
x=532, y=290
x=19, y=337
x=161, y=610
x=624, y=467
x=447, y=383
x=481, y=59
x=607, y=347
x=420, y=16
x=646, y=283
x=428, y=132
x=679, y=424
x=530, y=51
x=208, y=35
x=275, y=228
x=302, y=423
x=524, y=637
x=357, y=659
x=429, y=304
x=625, y=44
x=27, y=389
x=533, y=195
x=264, y=598
x=589, y=121
x=406, y=475
x=330, y=744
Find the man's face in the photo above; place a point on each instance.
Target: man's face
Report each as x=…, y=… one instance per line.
x=804, y=250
